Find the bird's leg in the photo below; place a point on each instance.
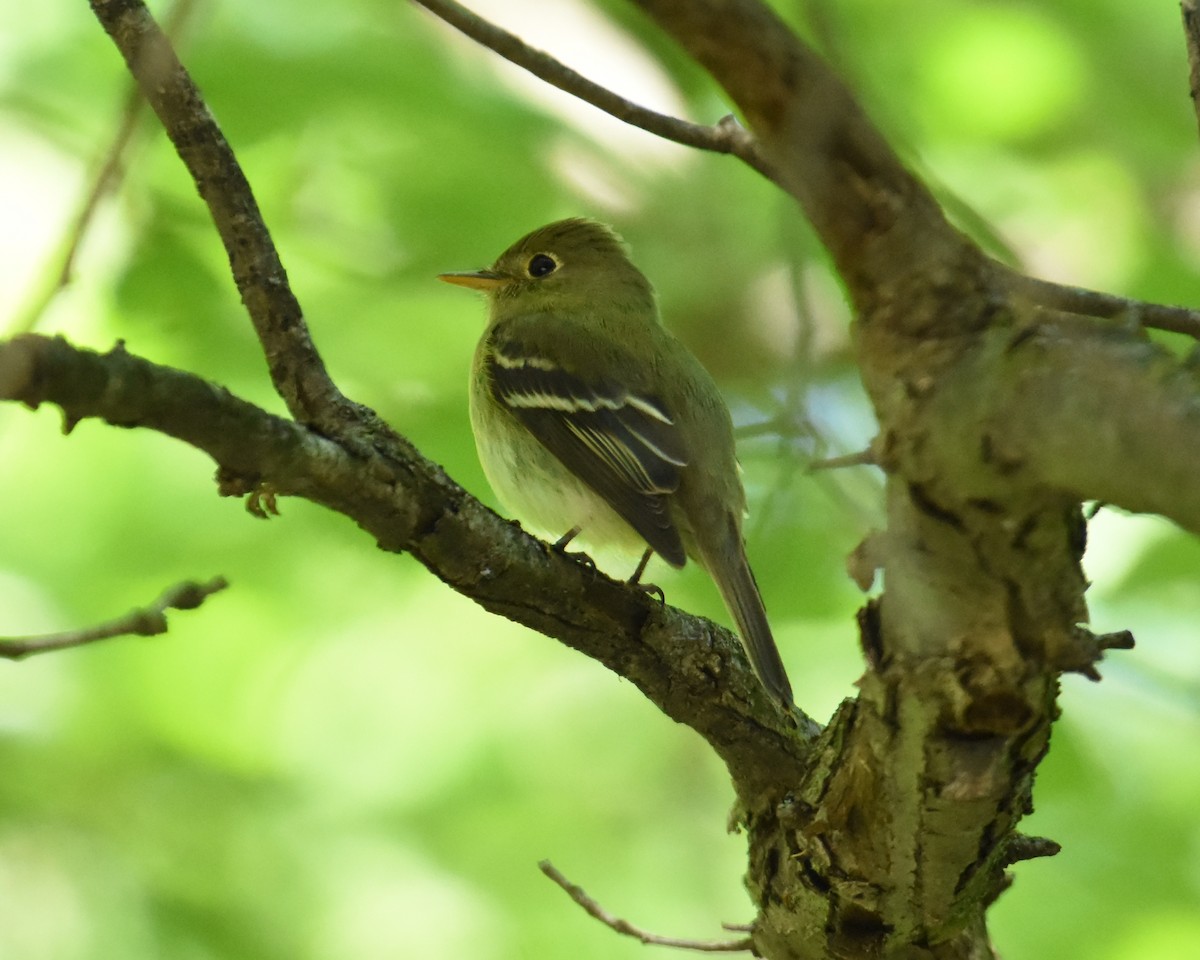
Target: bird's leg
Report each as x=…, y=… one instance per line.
x=560, y=546
x=561, y=543
x=636, y=580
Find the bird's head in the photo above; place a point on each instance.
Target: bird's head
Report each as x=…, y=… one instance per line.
x=568, y=264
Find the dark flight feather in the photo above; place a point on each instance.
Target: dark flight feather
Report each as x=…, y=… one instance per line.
x=622, y=444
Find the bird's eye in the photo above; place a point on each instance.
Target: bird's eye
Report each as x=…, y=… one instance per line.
x=541, y=265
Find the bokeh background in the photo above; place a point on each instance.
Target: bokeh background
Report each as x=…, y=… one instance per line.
x=339, y=757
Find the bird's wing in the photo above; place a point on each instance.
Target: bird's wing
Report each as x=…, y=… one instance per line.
x=623, y=444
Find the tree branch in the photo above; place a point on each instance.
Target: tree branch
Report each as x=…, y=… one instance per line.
x=145, y=622
x=593, y=909
x=727, y=136
x=693, y=670
x=860, y=458
x=881, y=225
x=296, y=368
x=1092, y=303
x=1064, y=406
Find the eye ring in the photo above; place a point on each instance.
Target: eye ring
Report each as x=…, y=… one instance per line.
x=541, y=265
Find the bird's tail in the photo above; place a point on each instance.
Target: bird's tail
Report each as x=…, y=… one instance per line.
x=734, y=578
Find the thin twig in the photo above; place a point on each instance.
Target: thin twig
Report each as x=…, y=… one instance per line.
x=592, y=908
x=106, y=181
x=783, y=425
x=1092, y=303
x=144, y=622
x=726, y=136
x=860, y=458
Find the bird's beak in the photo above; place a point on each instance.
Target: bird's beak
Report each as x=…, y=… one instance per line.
x=485, y=280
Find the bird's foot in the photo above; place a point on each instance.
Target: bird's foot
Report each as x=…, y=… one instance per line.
x=579, y=557
x=560, y=546
x=651, y=590
x=261, y=502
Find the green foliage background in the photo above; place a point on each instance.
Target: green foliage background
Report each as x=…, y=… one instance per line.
x=339, y=757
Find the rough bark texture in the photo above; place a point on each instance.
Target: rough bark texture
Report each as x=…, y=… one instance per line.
x=887, y=833
x=902, y=835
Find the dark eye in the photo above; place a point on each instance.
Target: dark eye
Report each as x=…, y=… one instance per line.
x=541, y=265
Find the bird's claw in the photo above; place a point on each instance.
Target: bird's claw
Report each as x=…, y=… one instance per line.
x=261, y=502
x=560, y=546
x=652, y=590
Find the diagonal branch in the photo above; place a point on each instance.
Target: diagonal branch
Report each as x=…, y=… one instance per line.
x=727, y=136
x=1093, y=414
x=144, y=622
x=879, y=222
x=694, y=671
x=1093, y=303
x=615, y=923
x=295, y=366
x=127, y=391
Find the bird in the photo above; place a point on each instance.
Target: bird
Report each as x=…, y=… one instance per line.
x=590, y=417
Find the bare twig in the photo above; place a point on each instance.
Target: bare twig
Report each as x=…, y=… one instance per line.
x=1024, y=847
x=1092, y=303
x=107, y=180
x=726, y=136
x=144, y=622
x=785, y=425
x=1191, y=33
x=592, y=908
x=860, y=458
